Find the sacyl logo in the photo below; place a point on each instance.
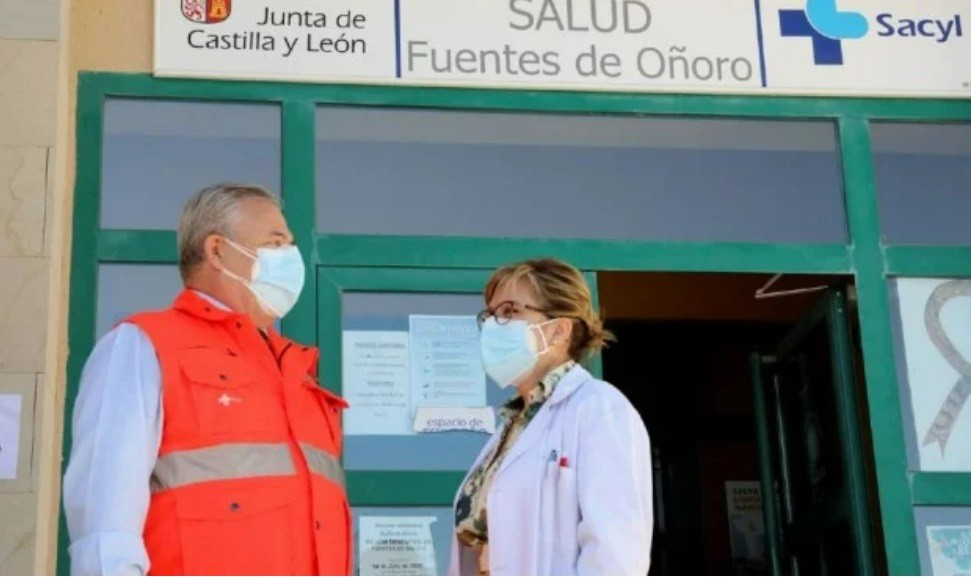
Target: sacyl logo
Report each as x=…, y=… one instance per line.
x=827, y=27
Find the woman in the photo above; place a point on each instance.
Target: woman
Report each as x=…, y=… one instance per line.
x=564, y=485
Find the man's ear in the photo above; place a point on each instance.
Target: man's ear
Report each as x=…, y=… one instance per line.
x=212, y=249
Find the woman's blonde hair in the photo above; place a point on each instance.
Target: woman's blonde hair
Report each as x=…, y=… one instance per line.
x=562, y=292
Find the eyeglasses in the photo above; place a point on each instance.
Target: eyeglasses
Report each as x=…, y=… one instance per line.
x=505, y=312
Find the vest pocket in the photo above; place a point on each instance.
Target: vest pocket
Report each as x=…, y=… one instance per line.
x=238, y=532
x=225, y=394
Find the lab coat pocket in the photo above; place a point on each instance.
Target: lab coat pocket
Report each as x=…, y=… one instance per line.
x=567, y=519
x=548, y=504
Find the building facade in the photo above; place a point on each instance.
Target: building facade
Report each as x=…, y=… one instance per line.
x=691, y=180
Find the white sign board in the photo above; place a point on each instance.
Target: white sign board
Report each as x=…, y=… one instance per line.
x=10, y=408
x=887, y=48
x=396, y=546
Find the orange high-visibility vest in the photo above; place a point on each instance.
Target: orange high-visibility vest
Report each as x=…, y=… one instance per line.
x=248, y=478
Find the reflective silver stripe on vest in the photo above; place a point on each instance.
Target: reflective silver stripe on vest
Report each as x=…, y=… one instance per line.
x=324, y=464
x=222, y=462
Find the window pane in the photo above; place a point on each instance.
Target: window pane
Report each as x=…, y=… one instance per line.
x=922, y=173
x=127, y=289
x=409, y=172
x=414, y=521
x=158, y=153
x=385, y=397
x=932, y=335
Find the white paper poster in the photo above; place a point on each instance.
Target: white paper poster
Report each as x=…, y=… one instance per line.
x=375, y=383
x=746, y=525
x=935, y=317
x=396, y=546
x=446, y=365
x=439, y=419
x=10, y=407
x=950, y=550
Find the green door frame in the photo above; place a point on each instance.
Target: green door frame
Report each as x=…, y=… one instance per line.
x=864, y=256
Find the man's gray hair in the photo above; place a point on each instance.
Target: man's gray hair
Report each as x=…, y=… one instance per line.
x=212, y=211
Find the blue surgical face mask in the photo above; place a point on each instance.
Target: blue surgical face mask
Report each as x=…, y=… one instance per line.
x=276, y=279
x=511, y=350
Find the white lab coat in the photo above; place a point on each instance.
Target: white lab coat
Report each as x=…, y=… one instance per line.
x=592, y=517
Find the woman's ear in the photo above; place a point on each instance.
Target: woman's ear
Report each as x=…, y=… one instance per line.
x=562, y=330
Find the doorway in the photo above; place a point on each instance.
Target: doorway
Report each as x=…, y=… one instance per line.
x=761, y=464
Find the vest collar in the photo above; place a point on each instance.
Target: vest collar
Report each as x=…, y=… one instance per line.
x=204, y=306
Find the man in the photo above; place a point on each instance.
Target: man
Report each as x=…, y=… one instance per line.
x=202, y=442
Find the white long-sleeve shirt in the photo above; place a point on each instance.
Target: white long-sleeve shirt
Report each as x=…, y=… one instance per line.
x=116, y=432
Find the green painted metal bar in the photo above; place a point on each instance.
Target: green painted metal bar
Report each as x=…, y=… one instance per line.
x=595, y=364
x=844, y=384
x=84, y=271
x=886, y=423
x=770, y=511
x=940, y=488
x=353, y=250
x=788, y=518
x=402, y=488
x=125, y=246
x=329, y=331
x=409, y=280
x=297, y=158
x=146, y=86
x=136, y=246
x=922, y=261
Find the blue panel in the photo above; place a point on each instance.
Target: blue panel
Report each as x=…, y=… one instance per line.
x=156, y=154
x=662, y=182
x=922, y=173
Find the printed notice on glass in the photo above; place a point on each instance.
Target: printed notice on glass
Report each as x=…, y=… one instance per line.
x=446, y=366
x=10, y=405
x=396, y=546
x=950, y=550
x=375, y=383
x=746, y=526
x=441, y=419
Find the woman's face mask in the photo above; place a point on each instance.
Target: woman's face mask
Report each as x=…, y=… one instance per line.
x=276, y=279
x=510, y=350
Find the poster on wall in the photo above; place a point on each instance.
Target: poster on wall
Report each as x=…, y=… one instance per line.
x=746, y=527
x=375, y=383
x=10, y=408
x=950, y=550
x=396, y=546
x=424, y=380
x=935, y=317
x=446, y=364
x=860, y=47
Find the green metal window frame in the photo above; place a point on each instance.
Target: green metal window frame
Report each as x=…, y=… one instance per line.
x=863, y=256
